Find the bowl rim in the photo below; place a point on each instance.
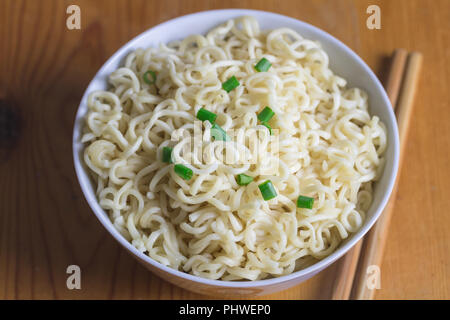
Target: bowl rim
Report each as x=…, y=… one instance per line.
x=102, y=216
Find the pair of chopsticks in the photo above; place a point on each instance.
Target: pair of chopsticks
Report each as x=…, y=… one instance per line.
x=352, y=272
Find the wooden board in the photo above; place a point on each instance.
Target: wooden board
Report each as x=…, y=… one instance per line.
x=45, y=223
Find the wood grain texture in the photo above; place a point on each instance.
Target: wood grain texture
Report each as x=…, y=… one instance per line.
x=45, y=223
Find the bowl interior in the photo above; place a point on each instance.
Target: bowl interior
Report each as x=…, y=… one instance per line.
x=343, y=62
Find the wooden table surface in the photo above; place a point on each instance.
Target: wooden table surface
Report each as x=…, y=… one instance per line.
x=45, y=223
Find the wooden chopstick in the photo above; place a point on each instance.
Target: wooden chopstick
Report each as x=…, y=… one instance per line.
x=375, y=240
x=347, y=265
x=396, y=75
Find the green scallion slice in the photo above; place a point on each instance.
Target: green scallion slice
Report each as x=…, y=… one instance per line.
x=263, y=65
x=204, y=115
x=265, y=124
x=230, y=84
x=266, y=114
x=305, y=202
x=167, y=155
x=183, y=171
x=243, y=179
x=218, y=133
x=267, y=190
x=146, y=75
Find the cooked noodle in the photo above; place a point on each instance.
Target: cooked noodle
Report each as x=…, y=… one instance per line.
x=328, y=147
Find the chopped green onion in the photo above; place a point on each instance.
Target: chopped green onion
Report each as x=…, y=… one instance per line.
x=183, y=171
x=167, y=155
x=204, y=115
x=263, y=65
x=267, y=190
x=147, y=80
x=266, y=115
x=218, y=133
x=243, y=179
x=265, y=124
x=305, y=202
x=230, y=84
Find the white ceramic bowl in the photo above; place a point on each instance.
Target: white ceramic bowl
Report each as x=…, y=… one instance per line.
x=343, y=62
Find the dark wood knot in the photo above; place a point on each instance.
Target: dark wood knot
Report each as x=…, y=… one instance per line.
x=9, y=129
